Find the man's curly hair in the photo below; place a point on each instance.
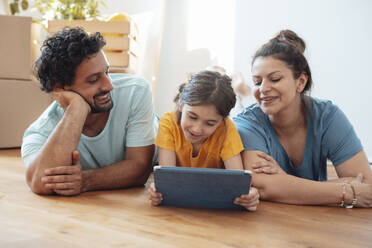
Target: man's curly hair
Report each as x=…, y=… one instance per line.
x=62, y=53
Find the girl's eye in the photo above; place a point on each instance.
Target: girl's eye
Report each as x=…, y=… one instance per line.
x=210, y=124
x=192, y=117
x=257, y=83
x=276, y=79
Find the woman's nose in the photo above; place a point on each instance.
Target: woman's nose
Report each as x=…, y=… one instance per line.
x=265, y=86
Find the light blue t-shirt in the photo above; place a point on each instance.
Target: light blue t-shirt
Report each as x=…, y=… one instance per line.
x=330, y=135
x=130, y=124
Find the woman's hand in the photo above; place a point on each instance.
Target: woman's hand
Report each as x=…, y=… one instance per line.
x=363, y=192
x=249, y=201
x=267, y=166
x=154, y=196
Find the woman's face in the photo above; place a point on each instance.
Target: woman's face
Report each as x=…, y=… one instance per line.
x=275, y=88
x=199, y=122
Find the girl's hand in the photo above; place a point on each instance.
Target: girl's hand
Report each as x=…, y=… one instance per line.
x=154, y=196
x=267, y=166
x=250, y=201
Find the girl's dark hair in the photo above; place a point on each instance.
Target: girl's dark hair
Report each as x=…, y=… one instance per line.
x=289, y=48
x=62, y=53
x=205, y=88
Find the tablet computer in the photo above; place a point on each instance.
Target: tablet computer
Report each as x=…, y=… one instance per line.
x=201, y=187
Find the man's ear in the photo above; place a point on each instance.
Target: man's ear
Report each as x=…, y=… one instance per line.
x=58, y=87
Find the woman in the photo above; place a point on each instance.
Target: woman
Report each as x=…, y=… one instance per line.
x=288, y=136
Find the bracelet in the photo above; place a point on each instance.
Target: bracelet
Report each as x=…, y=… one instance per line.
x=343, y=197
x=355, y=200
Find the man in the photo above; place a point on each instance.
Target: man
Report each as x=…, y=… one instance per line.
x=99, y=133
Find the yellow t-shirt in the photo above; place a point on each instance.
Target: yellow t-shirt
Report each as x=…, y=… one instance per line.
x=223, y=144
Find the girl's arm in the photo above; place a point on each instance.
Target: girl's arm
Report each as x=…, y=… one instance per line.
x=167, y=157
x=249, y=201
x=234, y=163
x=294, y=190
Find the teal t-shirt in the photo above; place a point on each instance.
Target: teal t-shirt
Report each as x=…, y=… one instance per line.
x=330, y=135
x=130, y=124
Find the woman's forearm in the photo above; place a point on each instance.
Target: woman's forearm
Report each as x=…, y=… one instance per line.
x=293, y=190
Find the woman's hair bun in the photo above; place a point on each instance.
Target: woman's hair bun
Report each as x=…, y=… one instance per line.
x=292, y=39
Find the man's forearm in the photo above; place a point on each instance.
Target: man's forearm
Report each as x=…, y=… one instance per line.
x=123, y=174
x=57, y=151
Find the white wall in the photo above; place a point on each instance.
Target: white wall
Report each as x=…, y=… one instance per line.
x=338, y=34
x=197, y=34
x=2, y=8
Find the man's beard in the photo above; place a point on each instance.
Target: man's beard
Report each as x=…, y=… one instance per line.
x=97, y=108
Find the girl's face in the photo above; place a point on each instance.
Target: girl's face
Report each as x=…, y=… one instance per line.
x=275, y=88
x=199, y=122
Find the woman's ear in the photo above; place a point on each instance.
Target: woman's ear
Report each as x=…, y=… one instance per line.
x=301, y=82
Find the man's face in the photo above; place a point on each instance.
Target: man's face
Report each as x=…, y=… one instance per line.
x=93, y=83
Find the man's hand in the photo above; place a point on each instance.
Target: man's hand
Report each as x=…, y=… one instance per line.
x=65, y=180
x=67, y=97
x=267, y=166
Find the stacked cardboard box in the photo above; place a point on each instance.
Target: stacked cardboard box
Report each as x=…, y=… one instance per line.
x=116, y=35
x=21, y=99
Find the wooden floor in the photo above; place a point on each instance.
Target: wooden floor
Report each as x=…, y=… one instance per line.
x=124, y=218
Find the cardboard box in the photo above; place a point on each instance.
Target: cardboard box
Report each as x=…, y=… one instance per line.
x=22, y=102
x=19, y=46
x=115, y=33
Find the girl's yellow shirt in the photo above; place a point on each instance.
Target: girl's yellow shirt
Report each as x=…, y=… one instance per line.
x=223, y=144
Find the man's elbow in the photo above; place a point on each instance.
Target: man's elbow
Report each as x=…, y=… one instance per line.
x=33, y=180
x=142, y=179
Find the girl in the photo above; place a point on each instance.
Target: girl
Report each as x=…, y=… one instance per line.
x=300, y=133
x=199, y=133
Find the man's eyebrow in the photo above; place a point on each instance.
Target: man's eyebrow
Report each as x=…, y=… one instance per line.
x=97, y=73
x=93, y=74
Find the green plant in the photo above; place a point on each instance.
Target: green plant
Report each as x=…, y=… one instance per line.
x=16, y=5
x=68, y=9
x=60, y=9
